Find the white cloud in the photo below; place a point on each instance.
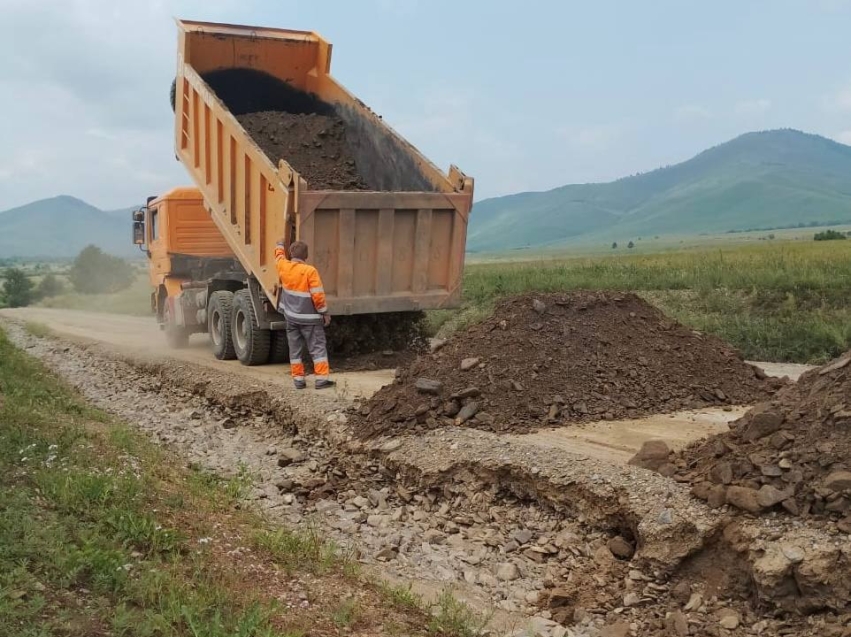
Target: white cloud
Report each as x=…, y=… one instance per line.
x=844, y=137
x=753, y=107
x=839, y=101
x=598, y=137
x=692, y=113
x=87, y=110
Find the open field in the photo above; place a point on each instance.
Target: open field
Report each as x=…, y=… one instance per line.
x=602, y=247
x=777, y=300
x=774, y=300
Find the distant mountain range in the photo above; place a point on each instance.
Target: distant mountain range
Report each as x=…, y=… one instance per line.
x=61, y=227
x=771, y=179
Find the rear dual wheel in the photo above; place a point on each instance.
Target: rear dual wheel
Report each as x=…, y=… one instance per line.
x=219, y=324
x=251, y=343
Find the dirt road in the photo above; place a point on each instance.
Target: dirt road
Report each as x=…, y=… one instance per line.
x=613, y=442
x=140, y=335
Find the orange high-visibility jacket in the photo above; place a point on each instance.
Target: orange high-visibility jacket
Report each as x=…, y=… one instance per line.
x=302, y=299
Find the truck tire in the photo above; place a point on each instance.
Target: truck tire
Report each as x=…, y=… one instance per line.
x=280, y=348
x=176, y=336
x=173, y=94
x=220, y=311
x=251, y=343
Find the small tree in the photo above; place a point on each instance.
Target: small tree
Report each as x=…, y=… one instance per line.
x=614, y=245
x=828, y=235
x=49, y=286
x=17, y=288
x=630, y=245
x=95, y=272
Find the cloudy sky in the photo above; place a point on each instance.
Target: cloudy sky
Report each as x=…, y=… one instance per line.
x=523, y=96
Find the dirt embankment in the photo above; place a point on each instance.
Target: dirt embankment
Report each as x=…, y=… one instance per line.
x=792, y=453
x=558, y=359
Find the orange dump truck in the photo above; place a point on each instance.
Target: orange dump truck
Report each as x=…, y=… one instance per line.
x=387, y=240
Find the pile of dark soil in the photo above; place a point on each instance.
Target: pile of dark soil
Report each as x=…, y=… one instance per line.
x=551, y=360
x=314, y=145
x=792, y=453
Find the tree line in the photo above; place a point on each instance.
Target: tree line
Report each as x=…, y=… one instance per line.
x=93, y=272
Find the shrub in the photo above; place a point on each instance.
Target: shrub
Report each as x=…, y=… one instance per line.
x=828, y=235
x=49, y=286
x=17, y=288
x=95, y=272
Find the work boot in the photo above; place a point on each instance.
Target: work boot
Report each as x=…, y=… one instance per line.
x=299, y=384
x=324, y=384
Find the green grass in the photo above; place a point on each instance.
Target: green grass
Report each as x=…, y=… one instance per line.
x=780, y=301
x=134, y=300
x=449, y=617
x=86, y=544
x=298, y=550
x=452, y=617
x=101, y=532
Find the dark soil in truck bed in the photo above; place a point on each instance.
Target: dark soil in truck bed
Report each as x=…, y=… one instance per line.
x=314, y=145
x=291, y=125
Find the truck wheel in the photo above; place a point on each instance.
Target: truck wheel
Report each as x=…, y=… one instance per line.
x=219, y=325
x=173, y=94
x=280, y=348
x=250, y=342
x=176, y=336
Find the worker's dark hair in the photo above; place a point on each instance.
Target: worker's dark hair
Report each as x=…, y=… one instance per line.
x=298, y=250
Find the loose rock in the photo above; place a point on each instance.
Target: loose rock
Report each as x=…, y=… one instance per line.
x=620, y=547
x=507, y=572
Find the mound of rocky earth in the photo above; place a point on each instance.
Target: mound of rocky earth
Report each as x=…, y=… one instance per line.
x=556, y=359
x=792, y=453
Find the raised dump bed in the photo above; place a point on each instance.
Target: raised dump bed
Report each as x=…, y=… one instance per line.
x=280, y=149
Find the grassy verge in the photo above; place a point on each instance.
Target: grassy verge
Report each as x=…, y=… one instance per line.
x=102, y=533
x=782, y=301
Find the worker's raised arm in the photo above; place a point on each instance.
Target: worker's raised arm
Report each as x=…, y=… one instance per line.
x=280, y=250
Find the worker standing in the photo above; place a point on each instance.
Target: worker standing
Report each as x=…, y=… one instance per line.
x=302, y=302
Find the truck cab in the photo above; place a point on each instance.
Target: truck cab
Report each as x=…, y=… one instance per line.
x=184, y=248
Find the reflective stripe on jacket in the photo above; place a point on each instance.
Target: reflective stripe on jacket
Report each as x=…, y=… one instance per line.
x=302, y=298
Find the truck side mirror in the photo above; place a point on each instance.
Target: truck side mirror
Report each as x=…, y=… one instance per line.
x=139, y=233
x=139, y=227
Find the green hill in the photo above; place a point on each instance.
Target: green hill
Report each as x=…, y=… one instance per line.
x=61, y=227
x=769, y=179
